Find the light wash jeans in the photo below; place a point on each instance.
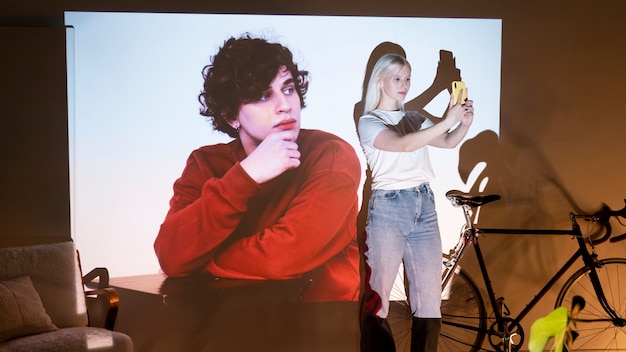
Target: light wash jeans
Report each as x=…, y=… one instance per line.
x=402, y=225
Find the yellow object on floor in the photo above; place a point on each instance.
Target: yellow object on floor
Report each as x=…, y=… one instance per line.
x=552, y=325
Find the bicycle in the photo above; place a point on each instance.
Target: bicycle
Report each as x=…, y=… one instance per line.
x=601, y=325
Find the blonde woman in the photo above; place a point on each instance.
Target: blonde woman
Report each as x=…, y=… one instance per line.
x=402, y=222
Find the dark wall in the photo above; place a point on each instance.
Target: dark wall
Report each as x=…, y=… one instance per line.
x=562, y=115
x=34, y=182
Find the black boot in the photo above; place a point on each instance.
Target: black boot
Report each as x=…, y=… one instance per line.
x=376, y=335
x=425, y=334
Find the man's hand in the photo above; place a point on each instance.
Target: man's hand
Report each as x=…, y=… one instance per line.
x=276, y=154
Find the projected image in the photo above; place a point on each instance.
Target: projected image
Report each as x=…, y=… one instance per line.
x=139, y=143
x=251, y=209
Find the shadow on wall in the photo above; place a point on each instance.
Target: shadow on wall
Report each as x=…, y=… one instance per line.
x=520, y=173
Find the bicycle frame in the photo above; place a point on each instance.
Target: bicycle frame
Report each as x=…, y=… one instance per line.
x=470, y=234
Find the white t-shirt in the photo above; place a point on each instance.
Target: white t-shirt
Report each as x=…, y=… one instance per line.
x=394, y=170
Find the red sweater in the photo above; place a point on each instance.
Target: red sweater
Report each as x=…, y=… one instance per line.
x=301, y=224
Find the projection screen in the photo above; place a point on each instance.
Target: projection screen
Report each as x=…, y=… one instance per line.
x=133, y=82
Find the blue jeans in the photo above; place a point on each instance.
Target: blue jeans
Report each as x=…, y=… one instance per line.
x=402, y=225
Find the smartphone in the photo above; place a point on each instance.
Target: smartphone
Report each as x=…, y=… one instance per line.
x=458, y=88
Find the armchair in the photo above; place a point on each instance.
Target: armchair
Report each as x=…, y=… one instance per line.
x=43, y=302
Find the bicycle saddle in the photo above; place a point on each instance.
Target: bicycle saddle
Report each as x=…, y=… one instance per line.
x=462, y=198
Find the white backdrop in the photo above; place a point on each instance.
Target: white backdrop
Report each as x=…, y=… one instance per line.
x=133, y=82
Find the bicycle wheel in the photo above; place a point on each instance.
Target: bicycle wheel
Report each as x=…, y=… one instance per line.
x=596, y=331
x=463, y=317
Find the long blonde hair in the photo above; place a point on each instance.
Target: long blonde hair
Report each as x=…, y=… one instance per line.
x=384, y=65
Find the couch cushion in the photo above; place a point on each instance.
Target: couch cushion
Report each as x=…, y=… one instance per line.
x=55, y=273
x=71, y=339
x=21, y=310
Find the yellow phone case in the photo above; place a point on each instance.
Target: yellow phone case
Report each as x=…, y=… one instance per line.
x=459, y=87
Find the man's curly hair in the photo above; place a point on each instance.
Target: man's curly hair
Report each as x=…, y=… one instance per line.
x=239, y=74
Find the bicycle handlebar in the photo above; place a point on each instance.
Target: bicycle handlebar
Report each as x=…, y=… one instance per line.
x=618, y=238
x=603, y=216
x=606, y=213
